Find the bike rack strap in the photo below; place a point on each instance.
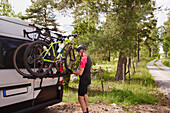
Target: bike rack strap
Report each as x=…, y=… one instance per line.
x=48, y=76
x=57, y=75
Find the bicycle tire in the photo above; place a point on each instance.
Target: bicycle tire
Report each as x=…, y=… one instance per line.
x=34, y=63
x=18, y=60
x=69, y=58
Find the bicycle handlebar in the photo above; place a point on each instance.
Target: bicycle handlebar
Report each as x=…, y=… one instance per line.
x=61, y=36
x=47, y=33
x=38, y=30
x=38, y=37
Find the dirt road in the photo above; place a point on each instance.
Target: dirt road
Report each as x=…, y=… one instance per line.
x=74, y=107
x=161, y=76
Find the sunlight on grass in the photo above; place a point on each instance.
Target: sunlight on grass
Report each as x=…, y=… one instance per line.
x=70, y=95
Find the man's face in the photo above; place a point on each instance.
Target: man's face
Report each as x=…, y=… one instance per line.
x=81, y=50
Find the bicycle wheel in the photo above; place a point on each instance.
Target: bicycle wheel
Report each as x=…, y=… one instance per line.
x=71, y=59
x=34, y=59
x=18, y=60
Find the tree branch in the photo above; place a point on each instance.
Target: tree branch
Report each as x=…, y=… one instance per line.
x=120, y=31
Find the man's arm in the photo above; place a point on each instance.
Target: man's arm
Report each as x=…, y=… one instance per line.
x=79, y=72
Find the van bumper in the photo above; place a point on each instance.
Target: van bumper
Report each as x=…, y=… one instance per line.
x=39, y=106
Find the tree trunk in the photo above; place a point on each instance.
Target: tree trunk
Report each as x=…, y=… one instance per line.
x=133, y=65
x=109, y=56
x=138, y=59
x=122, y=60
x=129, y=65
x=150, y=52
x=165, y=54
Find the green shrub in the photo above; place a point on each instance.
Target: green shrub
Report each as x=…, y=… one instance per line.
x=166, y=62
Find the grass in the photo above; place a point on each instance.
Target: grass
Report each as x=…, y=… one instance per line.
x=106, y=65
x=140, y=89
x=166, y=62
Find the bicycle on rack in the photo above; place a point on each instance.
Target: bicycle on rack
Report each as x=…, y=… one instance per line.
x=43, y=60
x=18, y=61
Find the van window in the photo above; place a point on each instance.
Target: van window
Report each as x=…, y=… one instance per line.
x=7, y=48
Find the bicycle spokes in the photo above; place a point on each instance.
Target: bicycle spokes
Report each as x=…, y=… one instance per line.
x=35, y=55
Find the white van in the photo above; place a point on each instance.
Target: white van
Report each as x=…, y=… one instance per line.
x=18, y=94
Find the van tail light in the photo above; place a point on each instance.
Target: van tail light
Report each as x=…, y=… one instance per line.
x=60, y=82
x=61, y=79
x=61, y=67
x=32, y=25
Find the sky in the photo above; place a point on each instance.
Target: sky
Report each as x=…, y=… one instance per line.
x=162, y=15
x=66, y=21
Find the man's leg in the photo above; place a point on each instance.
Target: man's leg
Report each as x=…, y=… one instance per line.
x=86, y=101
x=82, y=102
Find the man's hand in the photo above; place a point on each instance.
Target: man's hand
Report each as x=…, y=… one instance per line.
x=79, y=72
x=69, y=71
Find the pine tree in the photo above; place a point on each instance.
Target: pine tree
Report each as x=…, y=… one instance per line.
x=6, y=9
x=41, y=12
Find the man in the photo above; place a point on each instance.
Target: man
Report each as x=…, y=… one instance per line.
x=85, y=79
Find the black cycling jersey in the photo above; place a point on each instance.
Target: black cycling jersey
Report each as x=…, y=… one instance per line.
x=85, y=78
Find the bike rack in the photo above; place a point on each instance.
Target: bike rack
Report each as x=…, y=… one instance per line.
x=58, y=75
x=48, y=76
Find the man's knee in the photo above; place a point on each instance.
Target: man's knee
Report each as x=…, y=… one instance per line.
x=80, y=98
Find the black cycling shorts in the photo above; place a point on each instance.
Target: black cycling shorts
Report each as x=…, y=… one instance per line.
x=82, y=90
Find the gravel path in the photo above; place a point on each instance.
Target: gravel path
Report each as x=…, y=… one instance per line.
x=161, y=76
x=74, y=107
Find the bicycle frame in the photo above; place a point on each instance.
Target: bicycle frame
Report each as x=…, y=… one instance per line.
x=46, y=51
